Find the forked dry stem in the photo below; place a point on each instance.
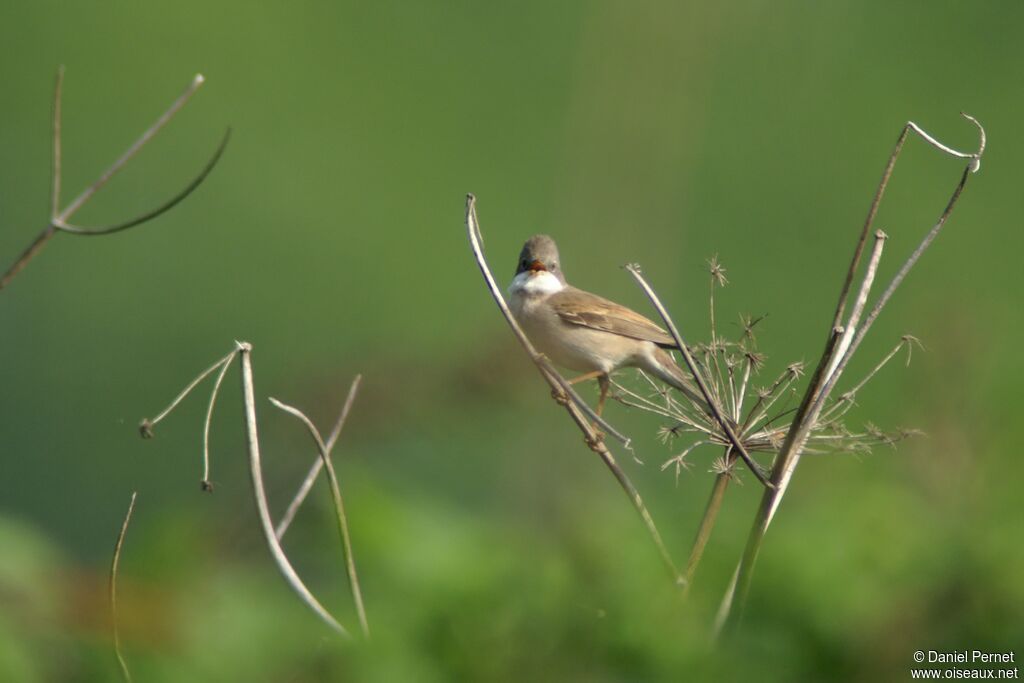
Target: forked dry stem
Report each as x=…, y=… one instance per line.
x=836, y=358
x=339, y=509
x=59, y=219
x=244, y=351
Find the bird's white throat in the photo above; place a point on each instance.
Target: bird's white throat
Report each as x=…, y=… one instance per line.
x=539, y=283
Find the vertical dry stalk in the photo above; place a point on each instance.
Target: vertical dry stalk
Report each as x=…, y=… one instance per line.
x=842, y=343
x=59, y=219
x=707, y=523
x=578, y=410
x=122, y=662
x=260, y=494
x=339, y=510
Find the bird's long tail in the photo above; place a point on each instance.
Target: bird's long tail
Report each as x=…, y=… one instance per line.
x=666, y=369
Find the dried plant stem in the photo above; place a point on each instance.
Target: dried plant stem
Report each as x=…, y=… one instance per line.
x=973, y=166
x=846, y=399
x=135, y=148
x=722, y=480
x=692, y=365
x=256, y=471
x=763, y=515
x=835, y=358
x=707, y=525
x=206, y=484
x=318, y=463
x=860, y=302
x=148, y=424
x=577, y=409
x=59, y=219
x=95, y=231
x=113, y=590
x=339, y=508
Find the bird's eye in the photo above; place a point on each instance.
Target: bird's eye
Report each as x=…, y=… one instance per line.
x=525, y=263
x=554, y=265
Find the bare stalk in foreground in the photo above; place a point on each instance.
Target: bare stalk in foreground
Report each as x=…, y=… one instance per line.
x=318, y=462
x=244, y=351
x=122, y=662
x=339, y=510
x=256, y=471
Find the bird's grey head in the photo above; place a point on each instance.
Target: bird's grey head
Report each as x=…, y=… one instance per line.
x=540, y=254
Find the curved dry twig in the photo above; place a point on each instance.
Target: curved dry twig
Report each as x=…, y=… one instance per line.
x=318, y=463
x=206, y=484
x=339, y=509
x=136, y=147
x=146, y=425
x=84, y=231
x=284, y=565
x=59, y=220
x=112, y=588
x=823, y=382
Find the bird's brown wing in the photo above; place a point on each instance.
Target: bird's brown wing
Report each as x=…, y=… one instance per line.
x=577, y=307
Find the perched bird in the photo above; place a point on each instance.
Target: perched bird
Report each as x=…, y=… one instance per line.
x=584, y=332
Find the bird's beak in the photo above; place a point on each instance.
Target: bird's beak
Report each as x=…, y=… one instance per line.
x=537, y=267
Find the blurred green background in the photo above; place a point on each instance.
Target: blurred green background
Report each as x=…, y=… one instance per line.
x=491, y=543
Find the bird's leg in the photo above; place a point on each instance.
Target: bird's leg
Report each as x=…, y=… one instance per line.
x=590, y=375
x=605, y=383
x=561, y=398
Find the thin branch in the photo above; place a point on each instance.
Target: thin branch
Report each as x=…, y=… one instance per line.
x=723, y=479
x=82, y=231
x=768, y=397
x=206, y=484
x=973, y=166
x=59, y=219
x=318, y=463
x=147, y=425
x=134, y=149
x=707, y=524
x=30, y=253
x=691, y=364
x=576, y=408
x=260, y=495
x=848, y=396
x=113, y=590
x=858, y=307
x=339, y=508
x=896, y=281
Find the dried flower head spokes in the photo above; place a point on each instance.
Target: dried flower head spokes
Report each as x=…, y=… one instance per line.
x=760, y=414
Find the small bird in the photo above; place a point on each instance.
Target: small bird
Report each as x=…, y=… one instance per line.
x=584, y=332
